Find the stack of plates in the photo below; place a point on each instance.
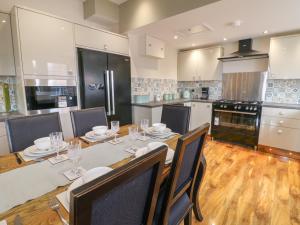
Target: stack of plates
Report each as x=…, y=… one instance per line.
x=33, y=151
x=163, y=133
x=93, y=136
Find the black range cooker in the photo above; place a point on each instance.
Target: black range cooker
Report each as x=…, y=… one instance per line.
x=236, y=121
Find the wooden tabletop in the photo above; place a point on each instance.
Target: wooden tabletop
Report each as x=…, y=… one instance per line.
x=37, y=211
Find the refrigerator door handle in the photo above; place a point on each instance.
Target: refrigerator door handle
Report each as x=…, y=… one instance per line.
x=113, y=92
x=108, y=93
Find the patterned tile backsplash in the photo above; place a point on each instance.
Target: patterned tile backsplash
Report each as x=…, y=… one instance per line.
x=215, y=88
x=11, y=81
x=283, y=91
x=152, y=87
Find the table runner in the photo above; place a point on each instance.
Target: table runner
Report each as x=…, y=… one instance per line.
x=23, y=184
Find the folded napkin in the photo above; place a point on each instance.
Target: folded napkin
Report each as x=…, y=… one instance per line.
x=3, y=222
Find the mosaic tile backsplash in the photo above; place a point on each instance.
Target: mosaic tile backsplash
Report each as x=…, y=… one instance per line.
x=283, y=91
x=215, y=88
x=152, y=87
x=11, y=81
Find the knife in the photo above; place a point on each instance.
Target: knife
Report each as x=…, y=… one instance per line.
x=18, y=220
x=19, y=160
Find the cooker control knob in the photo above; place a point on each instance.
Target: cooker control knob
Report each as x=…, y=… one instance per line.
x=235, y=107
x=240, y=107
x=247, y=107
x=251, y=108
x=255, y=108
x=225, y=106
x=221, y=106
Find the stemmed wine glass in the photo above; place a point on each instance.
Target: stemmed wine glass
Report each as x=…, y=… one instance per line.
x=133, y=132
x=74, y=154
x=56, y=142
x=115, y=127
x=144, y=127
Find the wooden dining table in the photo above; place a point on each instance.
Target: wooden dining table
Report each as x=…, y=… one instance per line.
x=37, y=211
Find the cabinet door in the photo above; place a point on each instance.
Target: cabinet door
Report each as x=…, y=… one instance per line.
x=187, y=65
x=209, y=65
x=201, y=113
x=7, y=65
x=155, y=47
x=47, y=44
x=100, y=40
x=284, y=57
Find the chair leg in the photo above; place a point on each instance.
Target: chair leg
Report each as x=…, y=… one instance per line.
x=188, y=218
x=201, y=172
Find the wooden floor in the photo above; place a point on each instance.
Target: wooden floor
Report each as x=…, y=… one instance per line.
x=242, y=186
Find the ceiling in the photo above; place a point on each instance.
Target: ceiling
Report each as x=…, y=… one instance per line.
x=119, y=2
x=254, y=16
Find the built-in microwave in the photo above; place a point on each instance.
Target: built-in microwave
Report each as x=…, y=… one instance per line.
x=44, y=95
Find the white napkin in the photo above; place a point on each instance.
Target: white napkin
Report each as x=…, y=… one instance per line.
x=3, y=222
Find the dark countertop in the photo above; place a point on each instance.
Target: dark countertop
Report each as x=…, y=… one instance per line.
x=9, y=115
x=177, y=101
x=281, y=105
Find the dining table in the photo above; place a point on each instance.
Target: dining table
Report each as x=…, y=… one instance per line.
x=37, y=211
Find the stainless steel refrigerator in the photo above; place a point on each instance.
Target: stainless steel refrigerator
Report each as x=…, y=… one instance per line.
x=105, y=80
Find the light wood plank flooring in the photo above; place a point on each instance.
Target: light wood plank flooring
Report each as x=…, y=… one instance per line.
x=242, y=186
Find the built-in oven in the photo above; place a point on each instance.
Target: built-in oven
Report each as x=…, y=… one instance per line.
x=44, y=95
x=236, y=123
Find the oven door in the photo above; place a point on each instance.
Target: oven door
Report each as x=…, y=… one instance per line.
x=234, y=126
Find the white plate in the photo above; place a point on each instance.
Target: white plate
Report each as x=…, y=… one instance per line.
x=157, y=133
x=92, y=135
x=90, y=175
x=33, y=151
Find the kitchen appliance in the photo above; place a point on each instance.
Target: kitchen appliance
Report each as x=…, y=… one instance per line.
x=44, y=95
x=204, y=93
x=244, y=52
x=105, y=81
x=186, y=94
x=237, y=117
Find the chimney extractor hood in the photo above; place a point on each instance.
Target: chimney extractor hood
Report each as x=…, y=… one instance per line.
x=245, y=52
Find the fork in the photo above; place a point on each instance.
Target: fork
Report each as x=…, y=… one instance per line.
x=54, y=205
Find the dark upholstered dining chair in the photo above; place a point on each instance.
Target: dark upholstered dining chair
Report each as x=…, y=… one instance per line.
x=176, y=117
x=23, y=131
x=176, y=195
x=126, y=195
x=84, y=120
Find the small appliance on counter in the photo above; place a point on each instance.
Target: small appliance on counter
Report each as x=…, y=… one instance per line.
x=157, y=98
x=205, y=93
x=140, y=99
x=186, y=94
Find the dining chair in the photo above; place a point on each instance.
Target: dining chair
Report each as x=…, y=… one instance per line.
x=176, y=195
x=176, y=117
x=85, y=119
x=23, y=131
x=126, y=195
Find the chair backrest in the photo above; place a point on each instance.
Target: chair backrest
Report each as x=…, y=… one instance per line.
x=176, y=117
x=184, y=168
x=23, y=131
x=126, y=196
x=84, y=120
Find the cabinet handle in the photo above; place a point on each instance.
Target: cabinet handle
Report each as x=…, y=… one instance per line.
x=281, y=121
x=105, y=47
x=279, y=131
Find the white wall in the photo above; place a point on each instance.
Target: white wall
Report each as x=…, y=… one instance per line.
x=68, y=9
x=148, y=67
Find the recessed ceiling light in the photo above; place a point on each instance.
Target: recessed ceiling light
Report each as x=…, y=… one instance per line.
x=175, y=37
x=193, y=44
x=224, y=39
x=266, y=32
x=237, y=23
x=3, y=21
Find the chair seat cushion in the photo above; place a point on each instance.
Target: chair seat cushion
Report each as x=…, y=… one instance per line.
x=178, y=210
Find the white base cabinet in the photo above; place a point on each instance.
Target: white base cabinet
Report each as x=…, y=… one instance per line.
x=280, y=128
x=3, y=140
x=152, y=114
x=200, y=114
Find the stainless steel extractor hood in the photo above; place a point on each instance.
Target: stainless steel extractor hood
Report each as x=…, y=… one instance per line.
x=248, y=86
x=245, y=52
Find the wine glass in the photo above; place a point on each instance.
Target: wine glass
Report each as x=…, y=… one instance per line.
x=133, y=132
x=144, y=126
x=115, y=127
x=74, y=154
x=56, y=142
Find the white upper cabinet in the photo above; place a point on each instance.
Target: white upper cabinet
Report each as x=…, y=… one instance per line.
x=7, y=64
x=46, y=44
x=86, y=37
x=285, y=57
x=200, y=64
x=155, y=47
